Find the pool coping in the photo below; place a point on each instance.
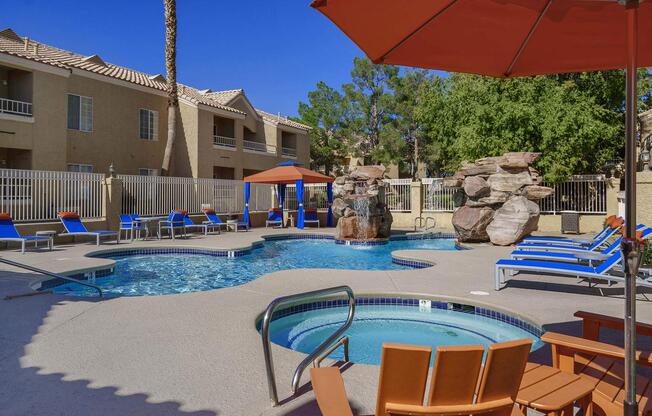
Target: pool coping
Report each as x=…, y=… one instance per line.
x=487, y=310
x=90, y=273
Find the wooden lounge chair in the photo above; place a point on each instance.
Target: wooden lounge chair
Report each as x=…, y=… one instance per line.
x=404, y=372
x=602, y=363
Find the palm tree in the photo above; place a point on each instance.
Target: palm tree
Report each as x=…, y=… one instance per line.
x=171, y=76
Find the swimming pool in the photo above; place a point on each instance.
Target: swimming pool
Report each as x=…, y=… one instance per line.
x=407, y=324
x=142, y=273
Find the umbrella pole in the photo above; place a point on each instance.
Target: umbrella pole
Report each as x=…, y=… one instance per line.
x=630, y=245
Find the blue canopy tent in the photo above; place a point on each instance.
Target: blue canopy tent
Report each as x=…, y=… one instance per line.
x=290, y=173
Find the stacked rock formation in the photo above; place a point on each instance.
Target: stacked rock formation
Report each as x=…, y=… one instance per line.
x=358, y=205
x=498, y=198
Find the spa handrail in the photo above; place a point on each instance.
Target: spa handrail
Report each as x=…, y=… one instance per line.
x=264, y=332
x=55, y=275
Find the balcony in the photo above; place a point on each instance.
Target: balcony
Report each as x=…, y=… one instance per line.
x=224, y=142
x=259, y=147
x=289, y=152
x=14, y=107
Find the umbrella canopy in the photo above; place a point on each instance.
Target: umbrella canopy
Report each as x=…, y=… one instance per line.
x=508, y=38
x=288, y=174
x=501, y=38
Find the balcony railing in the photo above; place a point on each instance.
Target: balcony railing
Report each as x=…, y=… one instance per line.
x=259, y=147
x=224, y=141
x=19, y=108
x=289, y=151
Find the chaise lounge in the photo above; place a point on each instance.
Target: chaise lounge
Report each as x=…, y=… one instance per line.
x=612, y=223
x=9, y=233
x=74, y=227
x=214, y=219
x=599, y=272
x=274, y=217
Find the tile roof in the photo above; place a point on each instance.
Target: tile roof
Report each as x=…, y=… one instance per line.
x=283, y=120
x=14, y=45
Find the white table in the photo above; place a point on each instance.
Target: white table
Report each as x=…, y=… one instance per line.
x=46, y=233
x=146, y=221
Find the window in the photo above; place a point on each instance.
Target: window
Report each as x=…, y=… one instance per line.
x=148, y=124
x=147, y=172
x=76, y=167
x=80, y=113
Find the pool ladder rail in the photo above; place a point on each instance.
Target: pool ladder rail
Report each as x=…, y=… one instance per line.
x=420, y=222
x=55, y=275
x=319, y=353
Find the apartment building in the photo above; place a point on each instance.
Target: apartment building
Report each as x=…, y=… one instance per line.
x=63, y=111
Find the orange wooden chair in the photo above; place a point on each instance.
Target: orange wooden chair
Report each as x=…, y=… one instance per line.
x=454, y=390
x=602, y=363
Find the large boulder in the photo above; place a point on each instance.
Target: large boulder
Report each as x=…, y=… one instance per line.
x=476, y=187
x=509, y=182
x=368, y=172
x=471, y=223
x=452, y=182
x=338, y=207
x=494, y=198
x=348, y=227
x=537, y=192
x=517, y=218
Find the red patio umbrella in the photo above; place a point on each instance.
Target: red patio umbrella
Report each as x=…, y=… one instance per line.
x=510, y=38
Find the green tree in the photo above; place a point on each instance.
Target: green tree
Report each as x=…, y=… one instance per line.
x=327, y=113
x=371, y=99
x=575, y=120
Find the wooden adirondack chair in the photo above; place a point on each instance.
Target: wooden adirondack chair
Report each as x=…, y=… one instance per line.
x=602, y=363
x=404, y=372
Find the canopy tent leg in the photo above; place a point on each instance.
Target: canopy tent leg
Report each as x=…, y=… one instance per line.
x=300, y=211
x=247, y=192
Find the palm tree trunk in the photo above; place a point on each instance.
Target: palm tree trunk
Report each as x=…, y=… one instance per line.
x=171, y=76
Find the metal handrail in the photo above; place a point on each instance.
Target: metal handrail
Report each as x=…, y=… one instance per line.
x=344, y=342
x=47, y=273
x=264, y=332
x=434, y=223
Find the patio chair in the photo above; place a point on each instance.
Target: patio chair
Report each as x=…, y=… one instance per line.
x=214, y=219
x=173, y=224
x=612, y=223
x=274, y=217
x=574, y=255
x=130, y=225
x=203, y=226
x=9, y=233
x=311, y=216
x=602, y=363
x=454, y=387
x=74, y=227
x=599, y=272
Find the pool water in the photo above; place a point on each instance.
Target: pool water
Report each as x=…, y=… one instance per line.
x=374, y=325
x=158, y=274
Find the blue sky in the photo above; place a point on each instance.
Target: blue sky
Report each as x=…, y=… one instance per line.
x=276, y=50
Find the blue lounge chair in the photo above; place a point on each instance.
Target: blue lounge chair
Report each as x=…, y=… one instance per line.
x=606, y=231
x=131, y=226
x=274, y=217
x=600, y=272
x=573, y=255
x=203, y=226
x=173, y=224
x=214, y=219
x=8, y=233
x=74, y=227
x=567, y=247
x=613, y=223
x=311, y=216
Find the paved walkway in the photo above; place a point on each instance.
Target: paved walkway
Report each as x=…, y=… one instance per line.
x=200, y=354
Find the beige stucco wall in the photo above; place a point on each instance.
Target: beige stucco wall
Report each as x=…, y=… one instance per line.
x=45, y=132
x=116, y=130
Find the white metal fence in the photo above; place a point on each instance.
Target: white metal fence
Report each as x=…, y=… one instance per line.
x=314, y=196
x=397, y=194
x=586, y=194
x=437, y=198
x=34, y=195
x=19, y=108
x=157, y=195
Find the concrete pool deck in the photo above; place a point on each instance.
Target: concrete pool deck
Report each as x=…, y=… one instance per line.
x=200, y=354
